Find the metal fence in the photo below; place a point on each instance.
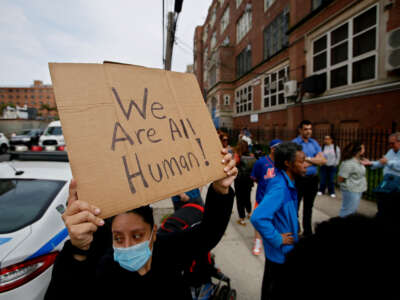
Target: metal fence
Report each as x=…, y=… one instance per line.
x=375, y=142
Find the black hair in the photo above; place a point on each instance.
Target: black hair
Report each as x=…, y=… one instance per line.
x=346, y=258
x=146, y=212
x=285, y=151
x=351, y=150
x=304, y=122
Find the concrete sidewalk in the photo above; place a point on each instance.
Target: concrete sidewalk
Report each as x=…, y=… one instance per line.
x=233, y=254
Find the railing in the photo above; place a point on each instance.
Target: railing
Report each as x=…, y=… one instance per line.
x=375, y=142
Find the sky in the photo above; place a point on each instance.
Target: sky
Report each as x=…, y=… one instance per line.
x=34, y=33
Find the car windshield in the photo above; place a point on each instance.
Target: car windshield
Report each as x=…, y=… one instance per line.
x=54, y=130
x=24, y=201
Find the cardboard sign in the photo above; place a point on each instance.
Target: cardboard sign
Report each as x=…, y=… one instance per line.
x=134, y=135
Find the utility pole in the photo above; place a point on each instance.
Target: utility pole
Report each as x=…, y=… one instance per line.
x=170, y=41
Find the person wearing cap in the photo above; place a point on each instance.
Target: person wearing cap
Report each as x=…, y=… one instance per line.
x=263, y=171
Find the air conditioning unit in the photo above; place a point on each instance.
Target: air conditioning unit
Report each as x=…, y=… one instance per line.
x=393, y=50
x=290, y=88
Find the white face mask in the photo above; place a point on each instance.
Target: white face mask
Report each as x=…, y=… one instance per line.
x=133, y=258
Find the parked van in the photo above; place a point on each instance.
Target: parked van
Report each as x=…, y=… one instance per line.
x=52, y=136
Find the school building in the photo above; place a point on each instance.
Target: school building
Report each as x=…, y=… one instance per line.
x=268, y=64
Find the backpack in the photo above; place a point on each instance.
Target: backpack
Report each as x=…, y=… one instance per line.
x=188, y=215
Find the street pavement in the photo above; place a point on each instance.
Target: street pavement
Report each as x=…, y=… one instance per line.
x=233, y=254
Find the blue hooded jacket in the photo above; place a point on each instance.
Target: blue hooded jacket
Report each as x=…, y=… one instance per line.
x=277, y=214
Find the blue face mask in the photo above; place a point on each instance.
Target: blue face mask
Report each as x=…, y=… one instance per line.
x=134, y=257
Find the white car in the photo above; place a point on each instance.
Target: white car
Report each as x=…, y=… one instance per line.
x=33, y=195
x=4, y=143
x=52, y=136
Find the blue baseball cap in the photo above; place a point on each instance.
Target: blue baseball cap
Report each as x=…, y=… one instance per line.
x=274, y=143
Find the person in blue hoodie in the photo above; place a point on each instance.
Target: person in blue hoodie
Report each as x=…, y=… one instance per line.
x=276, y=216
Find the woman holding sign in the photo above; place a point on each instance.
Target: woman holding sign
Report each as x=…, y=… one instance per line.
x=139, y=264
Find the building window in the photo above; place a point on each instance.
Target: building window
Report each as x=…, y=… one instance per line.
x=10, y=97
x=10, y=90
x=213, y=16
x=268, y=4
x=205, y=34
x=273, y=88
x=213, y=40
x=227, y=100
x=224, y=20
x=348, y=53
x=243, y=25
x=243, y=61
x=33, y=96
x=244, y=99
x=213, y=76
x=238, y=2
x=317, y=3
x=275, y=37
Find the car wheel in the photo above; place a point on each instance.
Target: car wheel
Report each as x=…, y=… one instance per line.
x=3, y=148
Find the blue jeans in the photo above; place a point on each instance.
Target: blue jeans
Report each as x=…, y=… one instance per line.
x=350, y=202
x=327, y=176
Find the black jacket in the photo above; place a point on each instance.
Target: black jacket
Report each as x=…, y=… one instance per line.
x=100, y=277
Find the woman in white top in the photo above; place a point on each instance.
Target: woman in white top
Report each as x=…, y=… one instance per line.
x=352, y=177
x=327, y=172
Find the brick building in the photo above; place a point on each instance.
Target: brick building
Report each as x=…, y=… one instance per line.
x=267, y=64
x=34, y=96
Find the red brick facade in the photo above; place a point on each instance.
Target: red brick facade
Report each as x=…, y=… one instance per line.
x=33, y=96
x=365, y=104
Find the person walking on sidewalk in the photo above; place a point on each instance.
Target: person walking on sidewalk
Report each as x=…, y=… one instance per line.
x=276, y=216
x=262, y=173
x=307, y=186
x=243, y=182
x=327, y=172
x=352, y=179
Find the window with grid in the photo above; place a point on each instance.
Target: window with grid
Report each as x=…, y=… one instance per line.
x=348, y=53
x=273, y=88
x=244, y=99
x=243, y=26
x=268, y=4
x=243, y=61
x=224, y=20
x=275, y=37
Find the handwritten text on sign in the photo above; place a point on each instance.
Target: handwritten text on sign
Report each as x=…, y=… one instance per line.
x=179, y=129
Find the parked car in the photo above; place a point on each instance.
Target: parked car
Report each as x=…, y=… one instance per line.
x=52, y=136
x=4, y=143
x=28, y=137
x=33, y=195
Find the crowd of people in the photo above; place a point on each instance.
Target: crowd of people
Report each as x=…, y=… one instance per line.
x=128, y=255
